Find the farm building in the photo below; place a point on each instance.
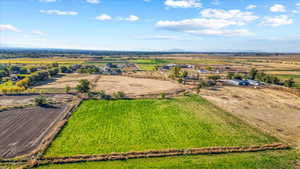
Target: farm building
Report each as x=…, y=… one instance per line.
x=254, y=82
x=237, y=82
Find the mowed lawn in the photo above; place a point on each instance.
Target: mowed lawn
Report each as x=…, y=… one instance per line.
x=258, y=160
x=99, y=127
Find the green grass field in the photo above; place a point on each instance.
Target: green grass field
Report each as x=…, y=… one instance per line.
x=99, y=127
x=259, y=160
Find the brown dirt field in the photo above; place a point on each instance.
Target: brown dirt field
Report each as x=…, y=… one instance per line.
x=134, y=86
x=284, y=72
x=277, y=66
x=148, y=74
x=68, y=80
x=15, y=100
x=22, y=130
x=28, y=99
x=274, y=111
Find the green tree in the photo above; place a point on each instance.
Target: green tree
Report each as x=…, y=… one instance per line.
x=238, y=76
x=176, y=71
x=230, y=75
x=252, y=74
x=40, y=101
x=184, y=74
x=83, y=86
x=214, y=77
x=67, y=89
x=289, y=83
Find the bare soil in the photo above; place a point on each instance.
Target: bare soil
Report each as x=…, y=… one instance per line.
x=28, y=99
x=134, y=86
x=274, y=111
x=22, y=130
x=71, y=80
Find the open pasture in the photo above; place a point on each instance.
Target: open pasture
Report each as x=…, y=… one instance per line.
x=100, y=127
x=134, y=86
x=275, y=111
x=43, y=61
x=22, y=130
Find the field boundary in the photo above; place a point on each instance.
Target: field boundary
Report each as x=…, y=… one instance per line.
x=152, y=154
x=56, y=130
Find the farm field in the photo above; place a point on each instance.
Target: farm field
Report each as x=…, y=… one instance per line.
x=134, y=86
x=21, y=130
x=29, y=99
x=277, y=112
x=41, y=61
x=100, y=127
x=260, y=160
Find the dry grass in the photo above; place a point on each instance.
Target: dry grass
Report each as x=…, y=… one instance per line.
x=69, y=80
x=134, y=86
x=275, y=111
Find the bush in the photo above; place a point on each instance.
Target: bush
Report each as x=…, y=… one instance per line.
x=214, y=77
x=67, y=89
x=40, y=101
x=119, y=95
x=102, y=95
x=289, y=83
x=83, y=86
x=162, y=95
x=180, y=80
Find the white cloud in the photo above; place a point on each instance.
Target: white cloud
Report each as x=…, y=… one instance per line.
x=104, y=17
x=234, y=15
x=93, y=1
x=195, y=24
x=234, y=32
x=38, y=32
x=131, y=18
x=203, y=26
x=9, y=27
x=213, y=22
x=277, y=20
x=183, y=3
x=298, y=4
x=47, y=1
x=58, y=12
x=249, y=7
x=277, y=8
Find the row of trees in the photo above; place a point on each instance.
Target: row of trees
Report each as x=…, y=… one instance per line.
x=28, y=81
x=254, y=74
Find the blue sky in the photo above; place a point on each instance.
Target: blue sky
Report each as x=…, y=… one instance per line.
x=192, y=25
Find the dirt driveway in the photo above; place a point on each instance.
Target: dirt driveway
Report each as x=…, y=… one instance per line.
x=274, y=111
x=134, y=86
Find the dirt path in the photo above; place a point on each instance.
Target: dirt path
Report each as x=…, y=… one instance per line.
x=274, y=111
x=21, y=130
